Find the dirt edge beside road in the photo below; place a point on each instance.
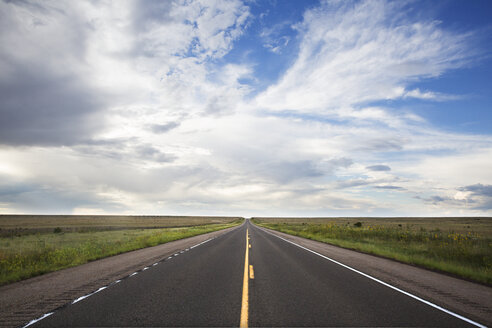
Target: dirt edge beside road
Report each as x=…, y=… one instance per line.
x=29, y=299
x=466, y=298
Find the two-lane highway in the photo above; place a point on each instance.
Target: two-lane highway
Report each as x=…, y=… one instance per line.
x=224, y=282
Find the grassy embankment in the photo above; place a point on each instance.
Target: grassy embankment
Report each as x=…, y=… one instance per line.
x=24, y=255
x=460, y=246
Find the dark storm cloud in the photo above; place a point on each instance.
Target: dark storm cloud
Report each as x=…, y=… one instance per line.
x=43, y=98
x=481, y=195
x=378, y=168
x=479, y=189
x=10, y=189
x=39, y=108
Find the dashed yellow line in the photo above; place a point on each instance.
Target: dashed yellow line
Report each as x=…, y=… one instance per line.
x=251, y=272
x=244, y=304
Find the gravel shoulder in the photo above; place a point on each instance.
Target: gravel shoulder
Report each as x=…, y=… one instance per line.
x=29, y=299
x=466, y=298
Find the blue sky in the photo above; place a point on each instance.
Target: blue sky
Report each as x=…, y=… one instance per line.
x=231, y=107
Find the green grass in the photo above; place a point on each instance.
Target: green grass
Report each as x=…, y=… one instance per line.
x=464, y=254
x=25, y=256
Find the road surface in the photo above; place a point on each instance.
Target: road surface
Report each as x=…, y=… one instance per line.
x=225, y=283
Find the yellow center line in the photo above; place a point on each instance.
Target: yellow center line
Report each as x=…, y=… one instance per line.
x=244, y=305
x=251, y=272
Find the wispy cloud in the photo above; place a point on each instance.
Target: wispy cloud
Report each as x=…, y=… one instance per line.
x=429, y=95
x=275, y=38
x=353, y=53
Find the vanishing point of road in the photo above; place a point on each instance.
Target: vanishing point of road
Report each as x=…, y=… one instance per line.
x=249, y=277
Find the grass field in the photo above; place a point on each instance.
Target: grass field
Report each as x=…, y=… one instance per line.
x=460, y=246
x=16, y=225
x=34, y=252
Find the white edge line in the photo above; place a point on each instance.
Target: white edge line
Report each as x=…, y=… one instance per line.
x=90, y=294
x=383, y=283
x=80, y=298
x=38, y=319
x=203, y=242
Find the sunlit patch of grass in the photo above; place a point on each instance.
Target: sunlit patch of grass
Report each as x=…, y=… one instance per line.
x=467, y=255
x=26, y=256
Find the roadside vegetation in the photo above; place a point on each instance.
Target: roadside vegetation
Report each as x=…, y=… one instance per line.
x=466, y=253
x=26, y=255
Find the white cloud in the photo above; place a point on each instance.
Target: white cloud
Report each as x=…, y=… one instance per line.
x=455, y=170
x=429, y=95
x=355, y=53
x=176, y=132
x=276, y=38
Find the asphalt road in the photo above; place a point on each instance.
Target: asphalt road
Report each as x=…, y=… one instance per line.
x=288, y=286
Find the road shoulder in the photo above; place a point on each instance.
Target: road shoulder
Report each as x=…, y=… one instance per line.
x=23, y=301
x=469, y=299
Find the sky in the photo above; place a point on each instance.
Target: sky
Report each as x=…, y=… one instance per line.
x=246, y=107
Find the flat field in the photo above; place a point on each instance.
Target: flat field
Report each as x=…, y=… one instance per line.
x=480, y=225
x=28, y=224
x=459, y=246
x=33, y=245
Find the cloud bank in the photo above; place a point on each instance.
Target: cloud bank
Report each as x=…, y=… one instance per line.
x=140, y=108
